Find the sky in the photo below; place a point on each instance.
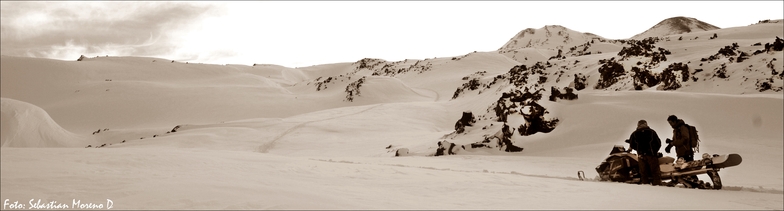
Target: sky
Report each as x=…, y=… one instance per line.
x=303, y=33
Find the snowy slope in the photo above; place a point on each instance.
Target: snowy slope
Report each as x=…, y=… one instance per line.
x=199, y=136
x=337, y=159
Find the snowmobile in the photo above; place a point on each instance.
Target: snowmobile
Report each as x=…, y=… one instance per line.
x=622, y=166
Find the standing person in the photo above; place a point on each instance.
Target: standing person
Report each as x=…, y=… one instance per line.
x=647, y=144
x=680, y=139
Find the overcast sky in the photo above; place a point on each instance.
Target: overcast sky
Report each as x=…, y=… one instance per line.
x=300, y=33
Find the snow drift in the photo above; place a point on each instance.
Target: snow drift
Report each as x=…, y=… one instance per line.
x=27, y=125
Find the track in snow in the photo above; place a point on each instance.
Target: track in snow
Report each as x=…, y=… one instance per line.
x=725, y=188
x=264, y=148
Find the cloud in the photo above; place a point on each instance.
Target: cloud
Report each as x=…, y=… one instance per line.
x=213, y=56
x=65, y=30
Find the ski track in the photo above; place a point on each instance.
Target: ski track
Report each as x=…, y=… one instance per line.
x=725, y=188
x=264, y=148
x=438, y=96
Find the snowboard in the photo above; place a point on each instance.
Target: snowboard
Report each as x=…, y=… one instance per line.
x=728, y=160
x=716, y=162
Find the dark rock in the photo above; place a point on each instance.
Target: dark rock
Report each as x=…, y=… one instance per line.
x=401, y=152
x=669, y=79
x=579, y=81
x=643, y=77
x=609, y=73
x=466, y=120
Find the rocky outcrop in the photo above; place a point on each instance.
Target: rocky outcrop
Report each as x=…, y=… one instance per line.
x=643, y=78
x=556, y=93
x=609, y=72
x=352, y=89
x=670, y=80
x=466, y=120
x=579, y=82
x=644, y=48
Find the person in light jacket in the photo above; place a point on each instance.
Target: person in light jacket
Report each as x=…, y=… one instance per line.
x=680, y=139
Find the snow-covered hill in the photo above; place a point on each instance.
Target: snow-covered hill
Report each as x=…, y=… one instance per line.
x=547, y=37
x=199, y=136
x=543, y=43
x=675, y=25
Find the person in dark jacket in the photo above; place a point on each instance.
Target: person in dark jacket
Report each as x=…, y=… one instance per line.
x=680, y=139
x=646, y=142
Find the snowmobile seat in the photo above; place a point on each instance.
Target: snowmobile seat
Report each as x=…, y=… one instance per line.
x=667, y=167
x=666, y=164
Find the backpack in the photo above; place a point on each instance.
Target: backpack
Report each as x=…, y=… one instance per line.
x=695, y=139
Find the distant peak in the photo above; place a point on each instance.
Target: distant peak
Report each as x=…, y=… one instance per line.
x=684, y=23
x=675, y=25
x=549, y=36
